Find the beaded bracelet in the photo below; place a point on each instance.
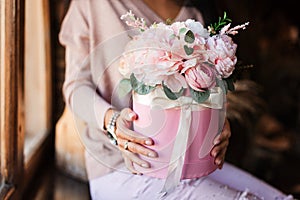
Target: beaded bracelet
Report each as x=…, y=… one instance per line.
x=111, y=128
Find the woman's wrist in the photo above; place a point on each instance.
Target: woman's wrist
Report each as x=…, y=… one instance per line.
x=107, y=117
x=110, y=120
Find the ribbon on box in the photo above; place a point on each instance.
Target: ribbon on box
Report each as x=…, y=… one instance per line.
x=156, y=99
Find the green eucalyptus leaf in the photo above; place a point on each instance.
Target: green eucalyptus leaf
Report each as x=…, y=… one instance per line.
x=189, y=37
x=172, y=95
x=124, y=87
x=199, y=96
x=222, y=84
x=188, y=50
x=182, y=30
x=140, y=87
x=172, y=36
x=229, y=84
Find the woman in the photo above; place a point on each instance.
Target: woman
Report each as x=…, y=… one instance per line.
x=94, y=37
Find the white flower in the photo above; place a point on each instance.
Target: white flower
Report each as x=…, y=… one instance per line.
x=197, y=28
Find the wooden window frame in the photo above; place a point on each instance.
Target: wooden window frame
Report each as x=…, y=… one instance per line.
x=15, y=174
x=12, y=96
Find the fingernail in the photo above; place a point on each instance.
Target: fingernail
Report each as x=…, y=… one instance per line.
x=145, y=165
x=132, y=115
x=217, y=141
x=148, y=142
x=215, y=153
x=152, y=155
x=218, y=162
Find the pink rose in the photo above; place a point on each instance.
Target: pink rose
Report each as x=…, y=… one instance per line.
x=201, y=77
x=221, y=52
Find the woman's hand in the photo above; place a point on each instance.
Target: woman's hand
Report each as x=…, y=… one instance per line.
x=131, y=143
x=220, y=145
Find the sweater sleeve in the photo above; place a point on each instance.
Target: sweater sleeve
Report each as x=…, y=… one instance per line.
x=79, y=91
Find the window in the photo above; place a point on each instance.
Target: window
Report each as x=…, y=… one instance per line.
x=11, y=95
x=1, y=66
x=37, y=76
x=25, y=97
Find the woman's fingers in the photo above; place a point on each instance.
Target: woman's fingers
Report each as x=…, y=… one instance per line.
x=220, y=145
x=130, y=143
x=128, y=114
x=136, y=148
x=131, y=158
x=123, y=131
x=135, y=159
x=129, y=165
x=225, y=134
x=220, y=158
x=219, y=152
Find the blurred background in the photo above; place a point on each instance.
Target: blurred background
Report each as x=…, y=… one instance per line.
x=271, y=43
x=41, y=153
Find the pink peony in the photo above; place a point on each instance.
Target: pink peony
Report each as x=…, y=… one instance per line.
x=150, y=65
x=134, y=59
x=221, y=52
x=156, y=73
x=201, y=77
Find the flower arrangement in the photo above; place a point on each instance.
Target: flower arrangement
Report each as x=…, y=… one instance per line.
x=179, y=57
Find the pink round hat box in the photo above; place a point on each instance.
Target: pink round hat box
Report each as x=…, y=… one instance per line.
x=162, y=125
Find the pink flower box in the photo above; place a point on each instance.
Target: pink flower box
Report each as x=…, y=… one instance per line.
x=179, y=58
x=162, y=125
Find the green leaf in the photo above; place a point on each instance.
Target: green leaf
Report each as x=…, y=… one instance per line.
x=229, y=84
x=224, y=16
x=124, y=87
x=222, y=84
x=182, y=30
x=172, y=95
x=189, y=37
x=217, y=26
x=188, y=50
x=199, y=96
x=140, y=87
x=172, y=36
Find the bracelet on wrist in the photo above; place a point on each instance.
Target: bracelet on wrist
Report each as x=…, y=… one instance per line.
x=111, y=128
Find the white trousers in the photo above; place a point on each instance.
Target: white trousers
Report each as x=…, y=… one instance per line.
x=228, y=183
